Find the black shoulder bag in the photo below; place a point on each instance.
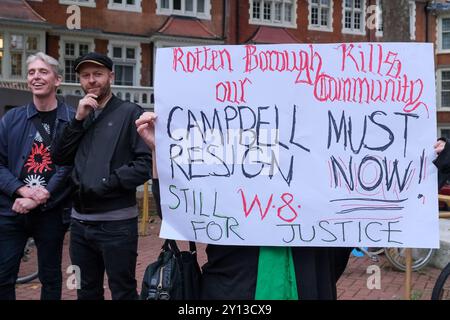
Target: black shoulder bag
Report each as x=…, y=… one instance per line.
x=175, y=275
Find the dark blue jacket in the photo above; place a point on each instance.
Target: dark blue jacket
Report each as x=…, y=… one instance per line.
x=17, y=133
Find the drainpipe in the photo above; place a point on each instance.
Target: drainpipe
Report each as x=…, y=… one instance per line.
x=237, y=21
x=426, y=21
x=224, y=19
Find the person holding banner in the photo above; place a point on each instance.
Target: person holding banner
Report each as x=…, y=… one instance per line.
x=110, y=160
x=252, y=272
x=442, y=162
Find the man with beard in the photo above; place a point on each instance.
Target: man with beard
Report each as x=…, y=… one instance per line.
x=110, y=160
x=33, y=191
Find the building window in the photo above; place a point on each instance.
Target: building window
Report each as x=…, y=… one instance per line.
x=125, y=5
x=320, y=14
x=445, y=33
x=72, y=50
x=273, y=12
x=125, y=60
x=444, y=89
x=1, y=54
x=83, y=3
x=192, y=8
x=256, y=10
x=21, y=46
x=354, y=16
x=412, y=20
x=444, y=132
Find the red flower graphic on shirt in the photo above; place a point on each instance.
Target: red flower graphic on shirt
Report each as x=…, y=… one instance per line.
x=39, y=159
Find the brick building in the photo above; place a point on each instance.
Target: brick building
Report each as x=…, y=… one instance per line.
x=437, y=28
x=130, y=31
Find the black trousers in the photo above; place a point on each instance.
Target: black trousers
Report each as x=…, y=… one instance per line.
x=48, y=231
x=111, y=246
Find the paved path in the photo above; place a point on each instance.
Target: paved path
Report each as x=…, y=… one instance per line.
x=351, y=286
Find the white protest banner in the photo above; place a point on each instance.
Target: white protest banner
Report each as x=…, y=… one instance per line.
x=298, y=145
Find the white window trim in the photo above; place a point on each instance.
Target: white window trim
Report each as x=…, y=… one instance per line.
x=2, y=66
x=167, y=12
x=138, y=52
x=412, y=29
x=90, y=3
x=439, y=34
x=125, y=7
x=330, y=19
x=439, y=88
x=6, y=63
x=261, y=22
x=379, y=33
x=361, y=32
x=62, y=47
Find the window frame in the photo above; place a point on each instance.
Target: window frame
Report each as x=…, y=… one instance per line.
x=440, y=49
x=89, y=3
x=362, y=30
x=412, y=20
x=137, y=7
x=6, y=32
x=136, y=62
x=62, y=51
x=439, y=89
x=273, y=23
x=206, y=15
x=319, y=27
x=2, y=54
x=440, y=127
x=24, y=52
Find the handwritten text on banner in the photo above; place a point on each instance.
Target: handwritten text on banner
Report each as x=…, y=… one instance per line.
x=298, y=145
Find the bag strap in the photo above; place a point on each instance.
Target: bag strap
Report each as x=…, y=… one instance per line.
x=165, y=245
x=40, y=128
x=172, y=245
x=192, y=247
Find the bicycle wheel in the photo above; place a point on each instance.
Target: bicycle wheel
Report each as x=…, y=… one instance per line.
x=375, y=250
x=29, y=264
x=441, y=289
x=420, y=258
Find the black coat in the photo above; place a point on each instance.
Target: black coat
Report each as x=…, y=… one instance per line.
x=109, y=157
x=231, y=272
